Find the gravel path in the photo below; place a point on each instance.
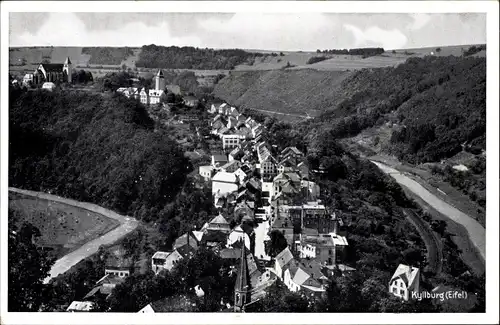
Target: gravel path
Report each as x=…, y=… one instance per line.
x=127, y=224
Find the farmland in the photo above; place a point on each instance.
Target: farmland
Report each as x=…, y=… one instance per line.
x=62, y=227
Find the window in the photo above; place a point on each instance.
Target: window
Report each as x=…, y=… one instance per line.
x=121, y=274
x=401, y=292
x=394, y=289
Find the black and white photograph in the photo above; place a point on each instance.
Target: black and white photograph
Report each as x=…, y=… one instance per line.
x=312, y=161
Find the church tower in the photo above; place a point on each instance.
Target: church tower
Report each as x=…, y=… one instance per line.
x=68, y=68
x=241, y=287
x=160, y=80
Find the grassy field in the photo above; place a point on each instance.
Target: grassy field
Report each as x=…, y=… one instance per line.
x=63, y=228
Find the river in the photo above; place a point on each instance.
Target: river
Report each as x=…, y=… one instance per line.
x=476, y=231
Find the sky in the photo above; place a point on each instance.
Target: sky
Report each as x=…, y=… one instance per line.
x=265, y=31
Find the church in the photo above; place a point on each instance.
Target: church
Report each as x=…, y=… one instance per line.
x=53, y=72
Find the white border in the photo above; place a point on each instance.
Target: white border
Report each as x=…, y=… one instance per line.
x=489, y=7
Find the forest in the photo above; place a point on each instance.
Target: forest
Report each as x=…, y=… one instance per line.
x=365, y=52
x=174, y=57
x=438, y=102
x=90, y=147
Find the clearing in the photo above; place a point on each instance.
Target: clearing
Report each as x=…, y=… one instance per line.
x=63, y=228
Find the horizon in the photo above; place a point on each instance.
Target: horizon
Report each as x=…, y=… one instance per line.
x=286, y=32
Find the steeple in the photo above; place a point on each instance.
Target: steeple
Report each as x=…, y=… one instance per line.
x=68, y=61
x=160, y=80
x=241, y=285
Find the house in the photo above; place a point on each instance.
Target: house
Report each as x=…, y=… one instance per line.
x=119, y=265
x=130, y=92
x=268, y=168
x=291, y=152
x=218, y=160
x=223, y=108
x=287, y=183
x=50, y=86
x=164, y=260
x=28, y=79
x=191, y=101
x=143, y=95
x=206, y=172
x=287, y=165
x=243, y=172
x=304, y=276
x=231, y=167
x=104, y=286
x=281, y=262
x=236, y=154
x=219, y=223
x=177, y=303
x=154, y=96
x=231, y=122
x=303, y=170
x=405, y=281
x=311, y=189
x=233, y=112
x=80, y=306
x=236, y=237
x=224, y=183
x=230, y=141
x=186, y=244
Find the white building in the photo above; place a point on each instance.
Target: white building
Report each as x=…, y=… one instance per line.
x=80, y=306
x=28, y=79
x=154, y=96
x=230, y=141
x=281, y=262
x=206, y=172
x=164, y=260
x=224, y=183
x=312, y=188
x=50, y=86
x=404, y=281
x=236, y=236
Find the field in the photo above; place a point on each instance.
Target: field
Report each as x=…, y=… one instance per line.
x=63, y=228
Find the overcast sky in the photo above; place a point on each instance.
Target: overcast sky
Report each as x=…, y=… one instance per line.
x=269, y=31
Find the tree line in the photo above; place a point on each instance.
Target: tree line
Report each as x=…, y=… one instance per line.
x=174, y=57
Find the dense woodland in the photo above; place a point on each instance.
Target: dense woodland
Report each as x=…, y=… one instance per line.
x=365, y=52
x=92, y=148
x=436, y=103
x=173, y=57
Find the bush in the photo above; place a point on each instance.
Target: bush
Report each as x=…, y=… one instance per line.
x=316, y=59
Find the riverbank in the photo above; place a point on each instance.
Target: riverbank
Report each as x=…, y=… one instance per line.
x=474, y=232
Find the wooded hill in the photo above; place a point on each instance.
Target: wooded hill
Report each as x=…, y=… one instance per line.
x=93, y=148
x=437, y=102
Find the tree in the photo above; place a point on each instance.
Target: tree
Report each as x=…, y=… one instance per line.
x=28, y=267
x=438, y=50
x=277, y=243
x=279, y=299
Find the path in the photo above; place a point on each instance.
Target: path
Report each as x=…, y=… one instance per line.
x=127, y=224
x=434, y=247
x=476, y=232
x=279, y=113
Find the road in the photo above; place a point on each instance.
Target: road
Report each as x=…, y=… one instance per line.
x=127, y=224
x=476, y=232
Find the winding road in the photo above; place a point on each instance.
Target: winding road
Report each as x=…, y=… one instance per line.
x=476, y=232
x=127, y=224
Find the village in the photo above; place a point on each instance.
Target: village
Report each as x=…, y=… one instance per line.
x=266, y=192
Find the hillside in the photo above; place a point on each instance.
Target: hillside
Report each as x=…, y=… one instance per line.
x=93, y=148
x=287, y=91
